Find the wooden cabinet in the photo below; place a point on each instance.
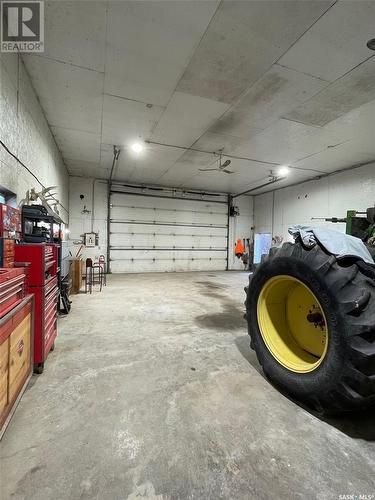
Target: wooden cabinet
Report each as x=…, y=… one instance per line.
x=19, y=355
x=4, y=365
x=76, y=267
x=16, y=360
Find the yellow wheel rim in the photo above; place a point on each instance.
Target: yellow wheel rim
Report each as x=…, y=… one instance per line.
x=292, y=324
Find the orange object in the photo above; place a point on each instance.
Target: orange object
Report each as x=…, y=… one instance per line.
x=239, y=249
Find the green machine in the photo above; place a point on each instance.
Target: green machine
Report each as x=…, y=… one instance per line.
x=359, y=224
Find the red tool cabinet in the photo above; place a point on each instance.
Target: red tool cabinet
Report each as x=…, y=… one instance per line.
x=10, y=231
x=42, y=282
x=7, y=252
x=10, y=222
x=12, y=288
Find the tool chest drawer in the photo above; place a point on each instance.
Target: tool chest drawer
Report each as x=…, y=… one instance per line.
x=7, y=247
x=45, y=321
x=42, y=258
x=12, y=288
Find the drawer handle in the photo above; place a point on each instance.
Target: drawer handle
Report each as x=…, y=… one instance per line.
x=9, y=296
x=5, y=292
x=11, y=281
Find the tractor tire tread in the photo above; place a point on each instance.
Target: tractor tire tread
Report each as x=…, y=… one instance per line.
x=350, y=299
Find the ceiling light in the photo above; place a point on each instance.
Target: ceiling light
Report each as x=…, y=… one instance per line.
x=137, y=147
x=371, y=44
x=283, y=171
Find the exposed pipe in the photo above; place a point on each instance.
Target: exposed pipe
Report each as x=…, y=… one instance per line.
x=221, y=154
x=229, y=204
x=116, y=154
x=326, y=174
x=212, y=153
x=273, y=214
x=144, y=188
x=92, y=205
x=205, y=200
x=276, y=179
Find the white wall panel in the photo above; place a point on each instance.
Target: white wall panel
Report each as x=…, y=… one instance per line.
x=329, y=197
x=150, y=233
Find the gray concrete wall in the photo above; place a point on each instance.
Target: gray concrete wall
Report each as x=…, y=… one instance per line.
x=25, y=131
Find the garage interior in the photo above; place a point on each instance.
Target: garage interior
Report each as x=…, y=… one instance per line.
x=154, y=156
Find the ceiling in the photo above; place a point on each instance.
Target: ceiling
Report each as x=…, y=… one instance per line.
x=278, y=82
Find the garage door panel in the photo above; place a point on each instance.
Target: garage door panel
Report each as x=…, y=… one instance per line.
x=151, y=233
x=149, y=240
x=139, y=266
x=169, y=230
x=125, y=200
x=168, y=216
x=157, y=254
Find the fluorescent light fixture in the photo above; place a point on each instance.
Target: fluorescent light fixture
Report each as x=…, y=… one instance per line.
x=137, y=147
x=283, y=171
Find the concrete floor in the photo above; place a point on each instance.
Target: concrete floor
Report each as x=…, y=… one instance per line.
x=152, y=392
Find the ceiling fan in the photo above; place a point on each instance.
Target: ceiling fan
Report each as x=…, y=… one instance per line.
x=221, y=168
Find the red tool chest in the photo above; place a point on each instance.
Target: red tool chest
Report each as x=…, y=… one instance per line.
x=10, y=222
x=10, y=230
x=42, y=282
x=43, y=261
x=6, y=252
x=12, y=288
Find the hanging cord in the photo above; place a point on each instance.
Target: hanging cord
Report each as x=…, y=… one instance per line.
x=30, y=172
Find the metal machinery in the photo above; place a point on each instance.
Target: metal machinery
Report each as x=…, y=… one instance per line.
x=311, y=320
x=358, y=224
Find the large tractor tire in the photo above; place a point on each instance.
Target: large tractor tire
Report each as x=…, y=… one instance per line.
x=311, y=320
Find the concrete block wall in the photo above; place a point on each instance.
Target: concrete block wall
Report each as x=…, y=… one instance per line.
x=24, y=130
x=331, y=196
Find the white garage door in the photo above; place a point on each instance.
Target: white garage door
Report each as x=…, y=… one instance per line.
x=156, y=233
